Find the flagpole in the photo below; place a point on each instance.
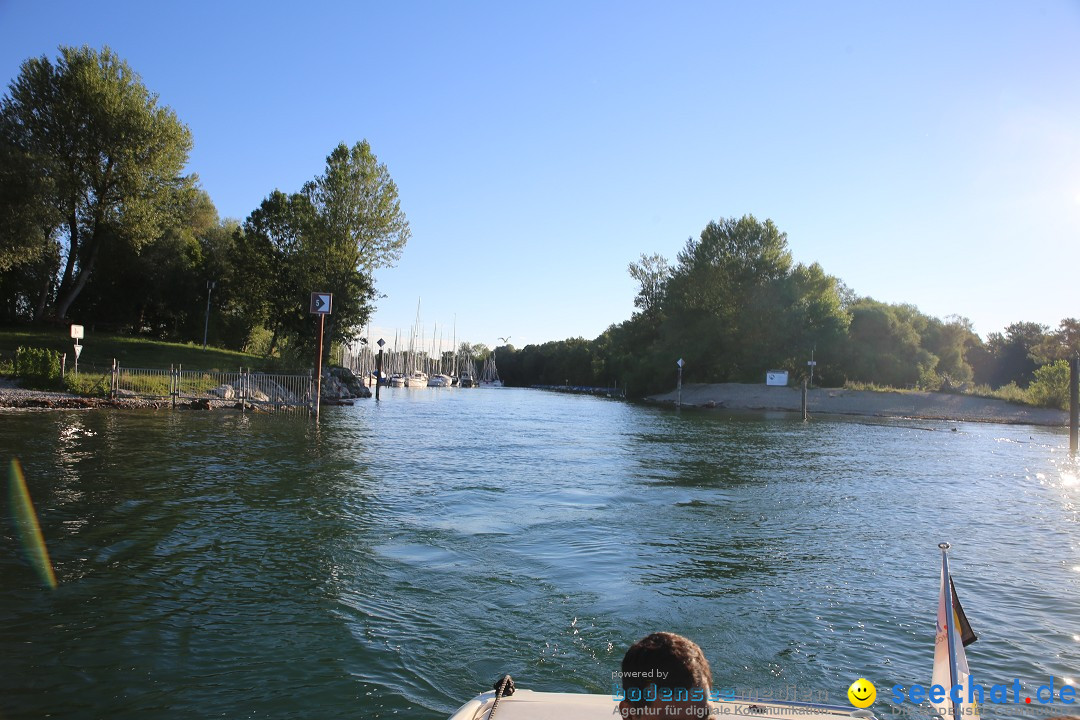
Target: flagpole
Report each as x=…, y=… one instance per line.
x=950, y=627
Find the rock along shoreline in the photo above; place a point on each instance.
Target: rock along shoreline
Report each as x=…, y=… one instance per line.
x=868, y=403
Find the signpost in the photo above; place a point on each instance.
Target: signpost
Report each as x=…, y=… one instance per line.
x=678, y=403
x=378, y=368
x=320, y=305
x=77, y=334
x=210, y=285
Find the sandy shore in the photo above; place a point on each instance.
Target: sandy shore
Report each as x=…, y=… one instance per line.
x=838, y=401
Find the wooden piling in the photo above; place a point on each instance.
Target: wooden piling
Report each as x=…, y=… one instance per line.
x=1074, y=402
x=805, y=416
x=378, y=373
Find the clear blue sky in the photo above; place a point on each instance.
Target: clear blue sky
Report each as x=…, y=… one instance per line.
x=923, y=152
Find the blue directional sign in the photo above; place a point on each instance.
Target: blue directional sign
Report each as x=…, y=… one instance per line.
x=320, y=303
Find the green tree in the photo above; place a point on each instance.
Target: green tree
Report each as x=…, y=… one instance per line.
x=1050, y=388
x=1013, y=352
x=949, y=341
x=1062, y=344
x=358, y=226
x=27, y=222
x=269, y=251
x=813, y=319
x=160, y=288
x=885, y=347
x=724, y=300
x=102, y=160
x=652, y=273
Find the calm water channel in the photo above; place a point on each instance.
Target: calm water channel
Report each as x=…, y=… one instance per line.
x=393, y=561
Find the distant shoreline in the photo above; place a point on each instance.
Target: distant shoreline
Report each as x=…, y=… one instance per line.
x=721, y=396
x=868, y=403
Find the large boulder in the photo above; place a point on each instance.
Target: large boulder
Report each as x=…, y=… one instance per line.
x=339, y=383
x=225, y=392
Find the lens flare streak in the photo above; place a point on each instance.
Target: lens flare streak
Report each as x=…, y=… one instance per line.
x=26, y=523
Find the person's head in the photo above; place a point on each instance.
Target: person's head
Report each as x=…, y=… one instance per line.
x=662, y=671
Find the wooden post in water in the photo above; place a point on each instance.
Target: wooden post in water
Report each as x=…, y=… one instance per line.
x=378, y=371
x=678, y=402
x=804, y=415
x=1074, y=402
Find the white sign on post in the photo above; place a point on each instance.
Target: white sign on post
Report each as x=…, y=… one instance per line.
x=77, y=334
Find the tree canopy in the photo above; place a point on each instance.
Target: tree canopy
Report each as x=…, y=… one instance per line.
x=91, y=162
x=735, y=304
x=325, y=238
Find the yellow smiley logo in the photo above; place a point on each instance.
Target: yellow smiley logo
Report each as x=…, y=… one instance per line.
x=862, y=693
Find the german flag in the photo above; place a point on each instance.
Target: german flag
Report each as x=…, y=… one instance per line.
x=967, y=635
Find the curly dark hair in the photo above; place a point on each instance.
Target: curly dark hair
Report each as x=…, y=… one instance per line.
x=678, y=659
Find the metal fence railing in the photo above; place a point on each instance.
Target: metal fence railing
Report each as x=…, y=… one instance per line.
x=142, y=382
x=242, y=389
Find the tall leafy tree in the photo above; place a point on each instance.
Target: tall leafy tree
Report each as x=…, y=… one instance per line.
x=949, y=341
x=159, y=288
x=723, y=298
x=1013, y=352
x=99, y=157
x=652, y=273
x=1061, y=344
x=884, y=345
x=270, y=252
x=358, y=226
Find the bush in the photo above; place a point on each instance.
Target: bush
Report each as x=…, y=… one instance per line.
x=1051, y=386
x=88, y=384
x=1012, y=393
x=929, y=380
x=40, y=366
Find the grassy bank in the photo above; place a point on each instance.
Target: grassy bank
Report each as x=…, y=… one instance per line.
x=100, y=349
x=1050, y=390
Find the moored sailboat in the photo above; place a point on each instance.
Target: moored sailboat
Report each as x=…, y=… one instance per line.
x=489, y=376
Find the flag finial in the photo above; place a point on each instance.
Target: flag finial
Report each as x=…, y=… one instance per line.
x=944, y=546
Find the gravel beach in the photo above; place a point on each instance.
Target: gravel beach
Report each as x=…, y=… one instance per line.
x=13, y=396
x=840, y=401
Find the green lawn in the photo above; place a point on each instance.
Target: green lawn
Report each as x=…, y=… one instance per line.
x=99, y=349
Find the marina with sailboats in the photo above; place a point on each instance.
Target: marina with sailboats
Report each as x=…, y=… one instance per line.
x=413, y=360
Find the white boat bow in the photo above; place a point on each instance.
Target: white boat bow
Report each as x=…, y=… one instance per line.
x=534, y=705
